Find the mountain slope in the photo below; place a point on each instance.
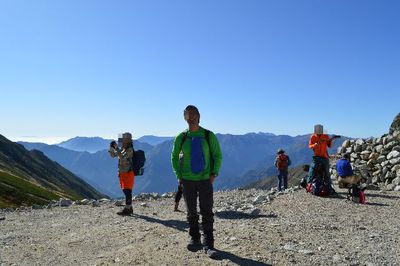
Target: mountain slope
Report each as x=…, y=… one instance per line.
x=36, y=168
x=296, y=174
x=98, y=169
x=16, y=191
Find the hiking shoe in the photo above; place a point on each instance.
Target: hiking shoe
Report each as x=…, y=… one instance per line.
x=212, y=253
x=194, y=245
x=176, y=207
x=125, y=212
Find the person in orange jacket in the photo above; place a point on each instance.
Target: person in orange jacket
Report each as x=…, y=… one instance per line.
x=319, y=143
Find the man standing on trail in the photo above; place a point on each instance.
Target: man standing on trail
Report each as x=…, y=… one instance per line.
x=320, y=142
x=282, y=163
x=196, y=159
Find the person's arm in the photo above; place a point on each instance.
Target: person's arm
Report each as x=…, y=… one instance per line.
x=216, y=153
x=313, y=142
x=276, y=162
x=175, y=156
x=329, y=142
x=289, y=162
x=349, y=168
x=125, y=153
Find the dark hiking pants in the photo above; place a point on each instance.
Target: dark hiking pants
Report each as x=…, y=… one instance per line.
x=282, y=179
x=204, y=191
x=128, y=196
x=178, y=194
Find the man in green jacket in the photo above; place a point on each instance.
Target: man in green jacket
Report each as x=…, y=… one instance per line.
x=196, y=160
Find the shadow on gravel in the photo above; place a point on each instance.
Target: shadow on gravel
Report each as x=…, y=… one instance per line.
x=230, y=215
x=223, y=255
x=368, y=195
x=376, y=204
x=175, y=224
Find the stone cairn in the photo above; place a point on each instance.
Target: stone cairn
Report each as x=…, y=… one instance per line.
x=377, y=160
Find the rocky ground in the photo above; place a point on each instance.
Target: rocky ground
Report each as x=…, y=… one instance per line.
x=253, y=227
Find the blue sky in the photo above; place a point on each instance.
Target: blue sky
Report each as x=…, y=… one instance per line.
x=98, y=68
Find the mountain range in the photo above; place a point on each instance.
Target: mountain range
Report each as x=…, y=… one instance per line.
x=246, y=158
x=28, y=177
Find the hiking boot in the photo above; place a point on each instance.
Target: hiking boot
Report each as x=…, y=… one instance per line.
x=194, y=245
x=176, y=207
x=126, y=212
x=211, y=252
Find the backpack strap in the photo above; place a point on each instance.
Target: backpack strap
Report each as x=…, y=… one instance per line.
x=184, y=137
x=207, y=137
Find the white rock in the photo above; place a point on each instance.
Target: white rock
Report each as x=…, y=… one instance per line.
x=346, y=143
x=84, y=202
x=259, y=199
x=360, y=142
x=104, y=200
x=395, y=161
x=393, y=154
x=379, y=148
x=290, y=247
x=306, y=252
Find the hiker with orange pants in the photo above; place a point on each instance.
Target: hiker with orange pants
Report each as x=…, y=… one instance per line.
x=125, y=171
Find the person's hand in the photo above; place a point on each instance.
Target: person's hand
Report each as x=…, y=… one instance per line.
x=113, y=144
x=180, y=182
x=212, y=178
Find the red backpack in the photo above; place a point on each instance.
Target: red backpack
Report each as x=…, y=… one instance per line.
x=282, y=162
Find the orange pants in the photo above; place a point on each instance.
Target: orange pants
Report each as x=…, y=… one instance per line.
x=126, y=180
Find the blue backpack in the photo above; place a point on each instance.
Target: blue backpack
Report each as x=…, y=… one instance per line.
x=207, y=137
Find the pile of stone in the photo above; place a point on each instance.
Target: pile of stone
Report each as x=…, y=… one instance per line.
x=377, y=160
x=246, y=201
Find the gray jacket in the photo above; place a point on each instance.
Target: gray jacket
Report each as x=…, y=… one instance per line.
x=125, y=158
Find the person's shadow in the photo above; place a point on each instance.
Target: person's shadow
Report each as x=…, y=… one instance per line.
x=175, y=224
x=237, y=215
x=224, y=255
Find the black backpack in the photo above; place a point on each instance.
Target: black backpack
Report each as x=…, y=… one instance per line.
x=138, y=161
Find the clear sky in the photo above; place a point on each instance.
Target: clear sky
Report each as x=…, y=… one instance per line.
x=98, y=68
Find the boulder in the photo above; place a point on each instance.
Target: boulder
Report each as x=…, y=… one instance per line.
x=379, y=148
x=360, y=142
x=358, y=148
x=84, y=202
x=390, y=187
x=65, y=202
x=395, y=126
x=393, y=154
x=395, y=161
x=346, y=143
x=388, y=147
x=396, y=181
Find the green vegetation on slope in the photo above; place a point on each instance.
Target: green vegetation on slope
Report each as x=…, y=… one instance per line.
x=16, y=191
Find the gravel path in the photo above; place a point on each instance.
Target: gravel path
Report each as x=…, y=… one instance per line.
x=291, y=229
